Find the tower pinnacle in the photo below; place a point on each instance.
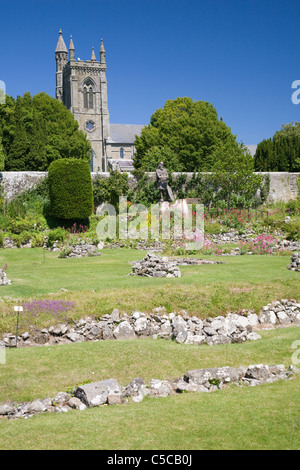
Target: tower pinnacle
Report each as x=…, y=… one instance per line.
x=72, y=49
x=102, y=53
x=61, y=57
x=61, y=47
x=93, y=54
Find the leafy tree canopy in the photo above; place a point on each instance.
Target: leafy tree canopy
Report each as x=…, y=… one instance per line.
x=38, y=130
x=282, y=152
x=2, y=157
x=233, y=171
x=185, y=134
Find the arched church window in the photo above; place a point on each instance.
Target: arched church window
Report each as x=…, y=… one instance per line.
x=85, y=98
x=121, y=152
x=92, y=161
x=91, y=98
x=88, y=89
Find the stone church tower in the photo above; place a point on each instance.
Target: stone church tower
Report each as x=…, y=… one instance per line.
x=82, y=87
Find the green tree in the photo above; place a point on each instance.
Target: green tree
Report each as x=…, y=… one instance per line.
x=264, y=155
x=7, y=123
x=38, y=130
x=161, y=154
x=186, y=133
x=233, y=172
x=70, y=189
x=16, y=159
x=282, y=152
x=64, y=139
x=2, y=156
x=37, y=155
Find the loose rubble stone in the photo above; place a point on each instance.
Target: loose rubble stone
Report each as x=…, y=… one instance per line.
x=195, y=261
x=61, y=398
x=36, y=406
x=114, y=399
x=258, y=372
x=155, y=266
x=222, y=374
x=4, y=281
x=183, y=386
x=160, y=388
x=76, y=403
x=253, y=336
x=80, y=250
x=295, y=262
x=141, y=326
x=124, y=331
x=136, y=389
x=96, y=393
x=6, y=409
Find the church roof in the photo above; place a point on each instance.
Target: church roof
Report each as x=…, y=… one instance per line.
x=61, y=46
x=124, y=133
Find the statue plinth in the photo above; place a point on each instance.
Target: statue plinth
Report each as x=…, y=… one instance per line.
x=180, y=205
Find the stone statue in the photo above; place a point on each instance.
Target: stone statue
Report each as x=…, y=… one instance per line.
x=162, y=183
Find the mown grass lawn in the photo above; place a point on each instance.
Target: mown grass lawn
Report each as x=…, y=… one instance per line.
x=263, y=417
x=100, y=284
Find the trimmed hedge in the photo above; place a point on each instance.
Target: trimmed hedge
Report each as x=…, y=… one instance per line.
x=70, y=189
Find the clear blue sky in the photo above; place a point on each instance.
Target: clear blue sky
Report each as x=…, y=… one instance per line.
x=240, y=55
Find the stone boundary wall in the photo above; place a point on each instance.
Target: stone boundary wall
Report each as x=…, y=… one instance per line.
x=15, y=182
x=283, y=185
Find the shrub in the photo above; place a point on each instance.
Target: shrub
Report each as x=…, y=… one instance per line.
x=292, y=229
x=64, y=252
x=21, y=238
x=293, y=206
x=109, y=189
x=213, y=228
x=15, y=208
x=20, y=225
x=261, y=245
x=24, y=237
x=37, y=240
x=70, y=189
x=55, y=235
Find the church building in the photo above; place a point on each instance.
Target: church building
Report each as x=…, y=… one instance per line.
x=82, y=87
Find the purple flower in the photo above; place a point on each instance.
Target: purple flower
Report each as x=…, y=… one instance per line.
x=53, y=307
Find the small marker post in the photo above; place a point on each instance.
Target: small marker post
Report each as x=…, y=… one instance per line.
x=18, y=309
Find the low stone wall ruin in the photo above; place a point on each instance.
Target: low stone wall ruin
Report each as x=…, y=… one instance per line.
x=181, y=327
x=184, y=329
x=110, y=392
